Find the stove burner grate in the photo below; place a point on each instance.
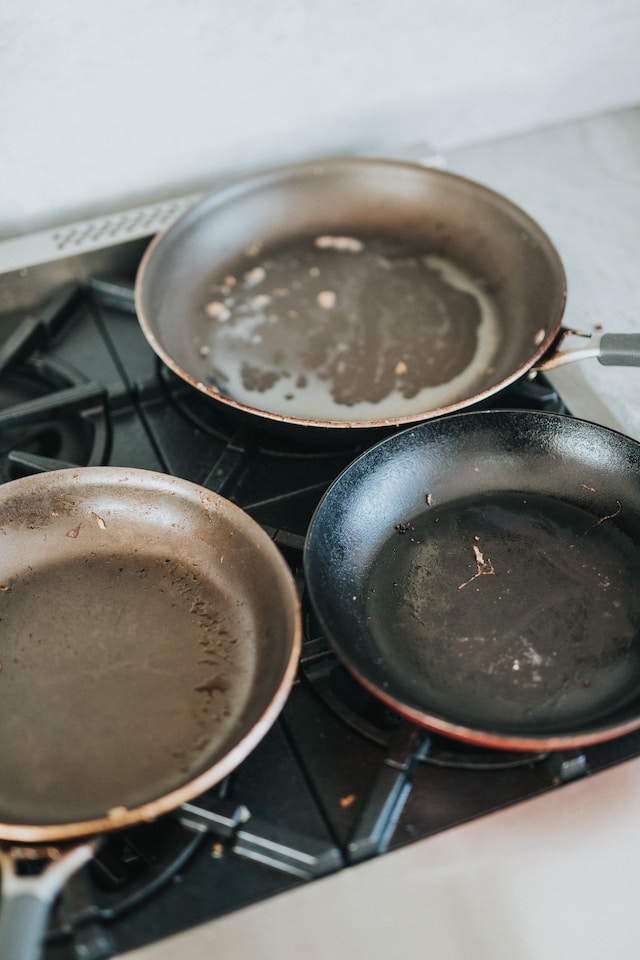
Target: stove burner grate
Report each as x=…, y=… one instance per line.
x=51, y=416
x=374, y=720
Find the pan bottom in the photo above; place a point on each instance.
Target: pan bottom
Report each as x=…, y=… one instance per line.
x=514, y=612
x=321, y=333
x=118, y=675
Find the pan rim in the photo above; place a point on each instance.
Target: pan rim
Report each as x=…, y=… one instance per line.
x=149, y=811
x=478, y=737
x=256, y=181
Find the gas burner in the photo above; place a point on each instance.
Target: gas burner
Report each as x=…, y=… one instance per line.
x=50, y=418
x=377, y=722
x=288, y=441
x=129, y=867
x=225, y=424
x=528, y=394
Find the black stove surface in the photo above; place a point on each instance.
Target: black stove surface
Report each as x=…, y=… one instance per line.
x=339, y=778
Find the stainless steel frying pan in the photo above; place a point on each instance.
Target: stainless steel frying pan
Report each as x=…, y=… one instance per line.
x=356, y=293
x=150, y=636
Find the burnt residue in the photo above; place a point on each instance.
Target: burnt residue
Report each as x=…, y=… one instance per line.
x=255, y=378
x=403, y=527
x=216, y=683
x=134, y=653
x=366, y=322
x=608, y=516
x=512, y=650
x=99, y=520
x=484, y=567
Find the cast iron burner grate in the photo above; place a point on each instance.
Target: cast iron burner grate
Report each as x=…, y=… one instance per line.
x=218, y=422
x=379, y=723
x=50, y=418
x=127, y=867
x=51, y=415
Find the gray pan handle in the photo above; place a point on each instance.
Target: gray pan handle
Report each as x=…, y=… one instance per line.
x=26, y=901
x=611, y=349
x=620, y=349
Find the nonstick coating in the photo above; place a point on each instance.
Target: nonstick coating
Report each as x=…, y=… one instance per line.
x=150, y=635
x=479, y=574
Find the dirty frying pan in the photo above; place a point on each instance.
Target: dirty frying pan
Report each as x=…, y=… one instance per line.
x=150, y=636
x=479, y=574
x=356, y=293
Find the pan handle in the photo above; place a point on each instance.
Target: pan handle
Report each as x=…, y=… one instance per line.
x=611, y=349
x=26, y=900
x=620, y=349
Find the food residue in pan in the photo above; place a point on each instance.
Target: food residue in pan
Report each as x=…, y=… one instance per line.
x=403, y=527
x=350, y=244
x=343, y=329
x=609, y=516
x=112, y=634
x=483, y=567
x=519, y=646
x=326, y=299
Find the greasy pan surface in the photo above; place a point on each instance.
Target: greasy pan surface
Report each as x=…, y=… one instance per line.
x=150, y=634
x=479, y=573
x=351, y=293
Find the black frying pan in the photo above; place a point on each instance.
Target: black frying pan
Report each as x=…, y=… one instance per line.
x=356, y=293
x=150, y=632
x=479, y=573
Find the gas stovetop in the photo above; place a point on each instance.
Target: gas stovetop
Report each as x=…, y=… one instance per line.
x=340, y=778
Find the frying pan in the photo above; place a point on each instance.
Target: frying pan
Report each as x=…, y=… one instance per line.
x=479, y=574
x=150, y=636
x=356, y=293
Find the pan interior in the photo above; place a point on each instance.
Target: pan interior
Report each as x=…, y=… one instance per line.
x=144, y=636
x=520, y=612
x=347, y=328
x=479, y=573
x=351, y=291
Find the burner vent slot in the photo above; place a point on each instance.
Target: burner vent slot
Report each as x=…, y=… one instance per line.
x=118, y=227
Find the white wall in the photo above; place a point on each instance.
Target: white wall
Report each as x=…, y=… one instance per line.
x=107, y=104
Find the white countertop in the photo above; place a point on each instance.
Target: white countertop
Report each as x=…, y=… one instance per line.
x=554, y=878
x=581, y=182
x=557, y=876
